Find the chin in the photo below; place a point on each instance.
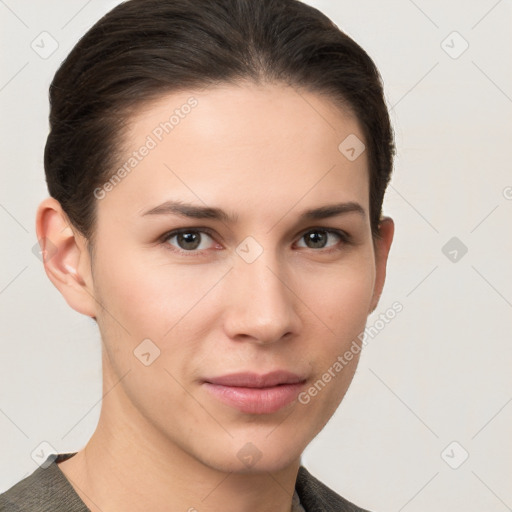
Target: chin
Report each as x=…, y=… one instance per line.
x=261, y=467
x=253, y=457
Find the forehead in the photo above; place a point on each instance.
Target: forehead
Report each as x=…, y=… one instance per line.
x=249, y=145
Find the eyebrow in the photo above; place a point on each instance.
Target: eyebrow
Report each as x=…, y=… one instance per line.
x=188, y=210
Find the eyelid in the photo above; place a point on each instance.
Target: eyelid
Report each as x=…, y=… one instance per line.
x=173, y=232
x=345, y=238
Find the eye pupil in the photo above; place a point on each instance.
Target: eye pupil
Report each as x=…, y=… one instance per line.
x=318, y=239
x=191, y=240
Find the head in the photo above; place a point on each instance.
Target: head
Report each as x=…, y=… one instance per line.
x=217, y=171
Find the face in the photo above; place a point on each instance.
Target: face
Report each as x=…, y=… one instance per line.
x=235, y=267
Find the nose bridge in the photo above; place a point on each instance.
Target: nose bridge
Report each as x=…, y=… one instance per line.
x=262, y=305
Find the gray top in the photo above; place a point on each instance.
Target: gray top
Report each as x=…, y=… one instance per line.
x=48, y=490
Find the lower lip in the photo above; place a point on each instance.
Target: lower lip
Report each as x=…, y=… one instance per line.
x=256, y=400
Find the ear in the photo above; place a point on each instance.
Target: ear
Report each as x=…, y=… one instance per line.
x=65, y=257
x=382, y=246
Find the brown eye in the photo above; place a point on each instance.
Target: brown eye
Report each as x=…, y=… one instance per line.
x=188, y=240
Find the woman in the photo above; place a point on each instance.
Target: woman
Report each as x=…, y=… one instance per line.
x=216, y=171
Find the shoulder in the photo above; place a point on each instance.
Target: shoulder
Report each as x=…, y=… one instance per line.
x=45, y=490
x=31, y=493
x=317, y=497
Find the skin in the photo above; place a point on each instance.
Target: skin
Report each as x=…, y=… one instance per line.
x=266, y=153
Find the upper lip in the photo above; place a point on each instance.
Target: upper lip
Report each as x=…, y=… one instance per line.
x=253, y=380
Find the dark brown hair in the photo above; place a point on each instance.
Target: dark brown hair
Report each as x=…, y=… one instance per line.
x=143, y=49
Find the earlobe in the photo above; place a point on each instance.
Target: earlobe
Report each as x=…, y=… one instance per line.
x=382, y=247
x=65, y=257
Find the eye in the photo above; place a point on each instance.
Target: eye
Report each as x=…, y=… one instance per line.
x=195, y=242
x=188, y=240
x=318, y=238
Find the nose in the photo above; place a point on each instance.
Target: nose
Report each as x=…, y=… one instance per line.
x=262, y=305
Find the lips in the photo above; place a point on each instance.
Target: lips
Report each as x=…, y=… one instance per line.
x=252, y=393
x=253, y=380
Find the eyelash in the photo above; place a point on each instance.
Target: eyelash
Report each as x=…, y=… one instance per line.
x=345, y=239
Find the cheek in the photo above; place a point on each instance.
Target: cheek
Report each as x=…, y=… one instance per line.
x=144, y=300
x=150, y=296
x=340, y=301
x=340, y=297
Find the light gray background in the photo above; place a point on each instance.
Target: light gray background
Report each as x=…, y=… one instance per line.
x=438, y=373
